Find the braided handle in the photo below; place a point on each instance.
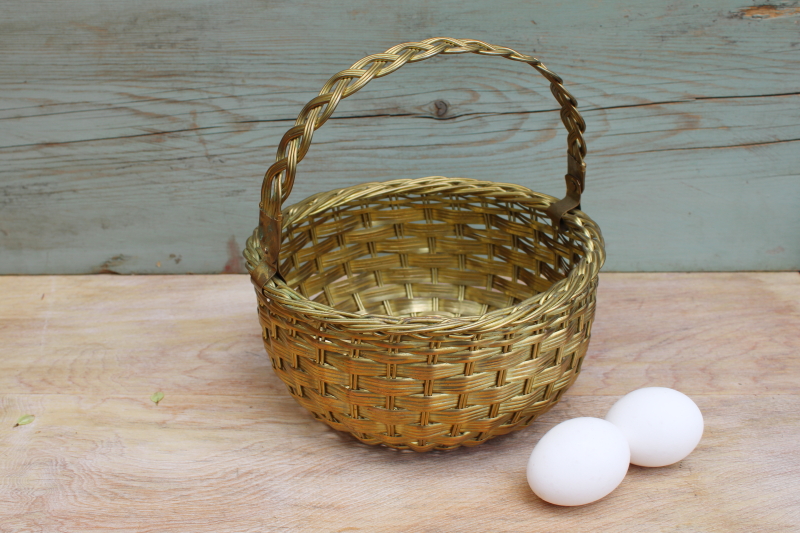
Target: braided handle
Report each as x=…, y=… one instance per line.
x=279, y=179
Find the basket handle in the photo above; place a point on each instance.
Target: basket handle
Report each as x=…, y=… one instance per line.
x=279, y=179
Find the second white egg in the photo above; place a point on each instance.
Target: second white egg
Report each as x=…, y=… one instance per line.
x=662, y=425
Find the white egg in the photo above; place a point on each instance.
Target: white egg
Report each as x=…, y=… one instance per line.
x=578, y=461
x=662, y=425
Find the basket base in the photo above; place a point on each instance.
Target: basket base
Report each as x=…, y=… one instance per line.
x=449, y=443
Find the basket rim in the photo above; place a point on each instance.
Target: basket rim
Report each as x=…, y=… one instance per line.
x=539, y=304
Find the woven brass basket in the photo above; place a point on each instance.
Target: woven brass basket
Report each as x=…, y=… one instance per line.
x=424, y=313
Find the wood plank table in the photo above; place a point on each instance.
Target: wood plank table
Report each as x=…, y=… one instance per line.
x=227, y=449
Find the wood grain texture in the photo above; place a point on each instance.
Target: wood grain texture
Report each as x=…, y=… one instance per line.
x=133, y=135
x=228, y=450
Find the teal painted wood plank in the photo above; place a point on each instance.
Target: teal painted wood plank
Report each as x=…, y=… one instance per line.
x=133, y=137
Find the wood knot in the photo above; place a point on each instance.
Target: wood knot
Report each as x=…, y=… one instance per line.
x=440, y=108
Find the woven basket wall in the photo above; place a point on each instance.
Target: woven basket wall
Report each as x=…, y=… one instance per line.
x=424, y=313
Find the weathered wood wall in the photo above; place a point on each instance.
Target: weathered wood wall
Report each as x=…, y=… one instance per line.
x=133, y=135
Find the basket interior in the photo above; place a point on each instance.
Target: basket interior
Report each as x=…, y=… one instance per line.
x=427, y=254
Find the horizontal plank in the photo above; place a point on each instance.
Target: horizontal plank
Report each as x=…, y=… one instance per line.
x=177, y=330
x=149, y=125
x=237, y=464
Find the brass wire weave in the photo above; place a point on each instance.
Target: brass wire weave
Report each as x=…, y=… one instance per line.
x=424, y=313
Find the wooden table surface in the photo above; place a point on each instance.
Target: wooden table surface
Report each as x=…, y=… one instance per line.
x=227, y=449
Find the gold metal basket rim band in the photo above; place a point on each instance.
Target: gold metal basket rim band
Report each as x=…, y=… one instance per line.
x=580, y=226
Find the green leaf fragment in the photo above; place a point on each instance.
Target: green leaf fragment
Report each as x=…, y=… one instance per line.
x=24, y=419
x=157, y=397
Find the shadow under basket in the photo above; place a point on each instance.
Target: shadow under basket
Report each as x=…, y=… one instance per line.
x=424, y=313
